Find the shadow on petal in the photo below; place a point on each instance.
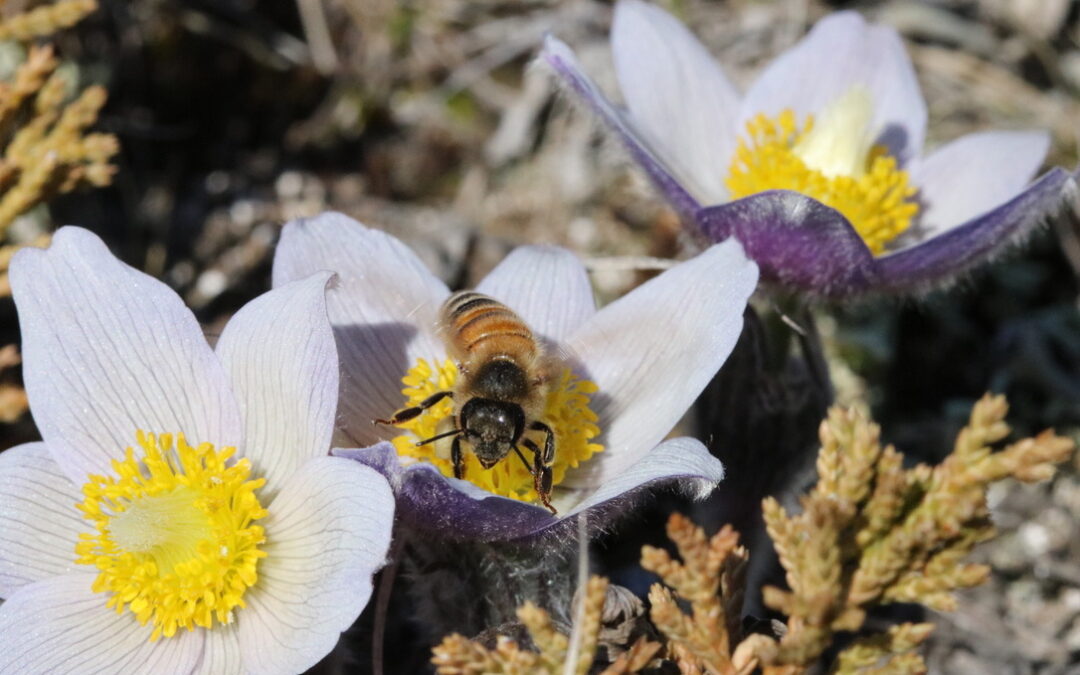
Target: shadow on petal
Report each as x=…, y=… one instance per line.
x=795, y=240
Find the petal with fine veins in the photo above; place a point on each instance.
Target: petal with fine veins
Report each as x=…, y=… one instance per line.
x=652, y=352
x=547, y=286
x=280, y=353
x=109, y=350
x=971, y=175
x=383, y=311
x=679, y=98
x=327, y=533
x=840, y=51
x=41, y=524
x=60, y=626
x=221, y=652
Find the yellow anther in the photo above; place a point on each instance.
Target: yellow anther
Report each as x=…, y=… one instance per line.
x=834, y=161
x=174, y=540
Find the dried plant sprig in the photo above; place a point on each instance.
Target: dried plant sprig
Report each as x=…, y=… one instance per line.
x=871, y=533
x=46, y=148
x=13, y=400
x=710, y=577
x=892, y=650
x=45, y=20
x=457, y=655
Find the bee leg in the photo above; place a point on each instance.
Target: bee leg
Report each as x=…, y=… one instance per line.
x=406, y=414
x=542, y=476
x=456, y=458
x=549, y=441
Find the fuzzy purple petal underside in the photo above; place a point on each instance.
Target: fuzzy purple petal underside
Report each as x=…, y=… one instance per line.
x=802, y=244
x=795, y=240
x=429, y=503
x=562, y=60
x=939, y=259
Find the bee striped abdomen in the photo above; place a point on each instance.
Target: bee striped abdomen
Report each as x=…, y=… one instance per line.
x=479, y=326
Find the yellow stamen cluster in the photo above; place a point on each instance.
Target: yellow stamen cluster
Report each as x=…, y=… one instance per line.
x=175, y=542
x=876, y=200
x=566, y=412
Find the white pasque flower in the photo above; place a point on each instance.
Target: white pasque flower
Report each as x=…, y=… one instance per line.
x=224, y=540
x=649, y=355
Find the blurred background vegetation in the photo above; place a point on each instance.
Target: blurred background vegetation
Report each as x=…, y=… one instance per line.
x=424, y=117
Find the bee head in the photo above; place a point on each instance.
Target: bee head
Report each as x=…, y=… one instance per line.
x=492, y=428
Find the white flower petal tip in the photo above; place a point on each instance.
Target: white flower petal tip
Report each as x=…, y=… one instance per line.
x=383, y=310
x=450, y=509
x=108, y=350
x=327, y=533
x=648, y=380
x=279, y=351
x=679, y=99
x=841, y=51
x=547, y=286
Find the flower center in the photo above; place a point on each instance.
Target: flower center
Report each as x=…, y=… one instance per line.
x=834, y=161
x=174, y=540
x=566, y=412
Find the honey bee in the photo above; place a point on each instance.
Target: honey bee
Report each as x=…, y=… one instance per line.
x=502, y=386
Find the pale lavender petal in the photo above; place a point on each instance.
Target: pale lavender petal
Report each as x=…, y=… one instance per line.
x=941, y=258
x=652, y=352
x=797, y=241
x=327, y=533
x=60, y=626
x=41, y=524
x=840, y=51
x=973, y=174
x=280, y=354
x=562, y=60
x=383, y=309
x=109, y=350
x=547, y=286
x=679, y=99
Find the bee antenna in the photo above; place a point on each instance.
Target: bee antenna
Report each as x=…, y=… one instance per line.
x=452, y=432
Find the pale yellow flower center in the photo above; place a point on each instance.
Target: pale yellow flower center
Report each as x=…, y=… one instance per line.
x=833, y=160
x=566, y=412
x=174, y=540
